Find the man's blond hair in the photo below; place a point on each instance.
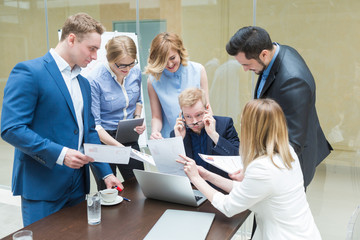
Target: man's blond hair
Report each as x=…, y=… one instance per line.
x=190, y=96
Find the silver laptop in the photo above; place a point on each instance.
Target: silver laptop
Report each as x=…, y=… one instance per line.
x=180, y=225
x=170, y=188
x=125, y=130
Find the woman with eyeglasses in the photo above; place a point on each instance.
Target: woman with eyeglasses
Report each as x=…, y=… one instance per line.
x=270, y=184
x=116, y=95
x=170, y=73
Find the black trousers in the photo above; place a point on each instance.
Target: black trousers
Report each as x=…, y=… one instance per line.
x=126, y=170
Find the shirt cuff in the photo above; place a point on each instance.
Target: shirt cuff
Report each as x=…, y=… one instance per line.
x=107, y=176
x=61, y=157
x=98, y=127
x=218, y=199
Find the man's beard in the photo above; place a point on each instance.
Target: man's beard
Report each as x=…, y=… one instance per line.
x=263, y=65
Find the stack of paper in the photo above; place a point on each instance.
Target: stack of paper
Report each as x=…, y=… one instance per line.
x=229, y=164
x=107, y=153
x=165, y=152
x=142, y=156
x=114, y=154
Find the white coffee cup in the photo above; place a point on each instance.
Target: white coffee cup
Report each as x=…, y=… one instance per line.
x=109, y=195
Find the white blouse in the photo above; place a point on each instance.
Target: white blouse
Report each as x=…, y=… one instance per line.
x=277, y=198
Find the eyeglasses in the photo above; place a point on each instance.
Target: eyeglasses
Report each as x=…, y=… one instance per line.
x=190, y=118
x=123, y=66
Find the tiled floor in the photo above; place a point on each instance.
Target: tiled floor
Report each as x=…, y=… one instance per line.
x=333, y=195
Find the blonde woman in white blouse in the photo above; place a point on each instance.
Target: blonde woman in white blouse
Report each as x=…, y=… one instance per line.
x=271, y=182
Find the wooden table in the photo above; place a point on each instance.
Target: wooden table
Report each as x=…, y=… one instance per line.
x=127, y=220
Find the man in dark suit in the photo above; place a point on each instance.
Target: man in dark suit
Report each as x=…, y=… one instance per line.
x=284, y=77
x=203, y=132
x=46, y=116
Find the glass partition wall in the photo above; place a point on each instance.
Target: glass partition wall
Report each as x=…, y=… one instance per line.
x=324, y=32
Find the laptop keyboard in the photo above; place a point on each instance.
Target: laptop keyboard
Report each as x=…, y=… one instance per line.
x=197, y=198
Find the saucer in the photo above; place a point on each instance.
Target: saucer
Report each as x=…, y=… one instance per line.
x=118, y=200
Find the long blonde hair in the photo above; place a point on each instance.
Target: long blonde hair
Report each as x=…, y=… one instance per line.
x=264, y=132
x=160, y=50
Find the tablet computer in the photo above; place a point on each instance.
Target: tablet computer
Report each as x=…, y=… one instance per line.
x=125, y=131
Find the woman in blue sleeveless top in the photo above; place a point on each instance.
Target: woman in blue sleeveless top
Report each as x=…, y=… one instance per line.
x=170, y=73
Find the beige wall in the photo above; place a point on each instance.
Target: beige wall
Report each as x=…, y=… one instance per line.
x=324, y=32
x=326, y=35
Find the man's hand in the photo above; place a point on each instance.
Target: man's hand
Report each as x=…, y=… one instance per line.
x=111, y=181
x=75, y=159
x=179, y=128
x=210, y=127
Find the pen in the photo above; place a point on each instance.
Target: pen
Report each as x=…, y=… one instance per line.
x=126, y=199
x=118, y=188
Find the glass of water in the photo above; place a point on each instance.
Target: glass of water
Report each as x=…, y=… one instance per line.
x=23, y=235
x=93, y=208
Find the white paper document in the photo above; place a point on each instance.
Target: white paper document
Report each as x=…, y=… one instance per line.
x=228, y=164
x=107, y=153
x=142, y=156
x=165, y=152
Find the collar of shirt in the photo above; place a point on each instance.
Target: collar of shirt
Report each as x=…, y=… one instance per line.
x=199, y=145
x=113, y=75
x=107, y=66
x=64, y=67
x=267, y=70
x=176, y=74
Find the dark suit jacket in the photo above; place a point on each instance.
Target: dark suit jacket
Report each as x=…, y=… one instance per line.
x=38, y=119
x=291, y=84
x=228, y=144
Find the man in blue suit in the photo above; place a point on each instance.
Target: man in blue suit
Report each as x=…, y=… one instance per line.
x=46, y=116
x=202, y=132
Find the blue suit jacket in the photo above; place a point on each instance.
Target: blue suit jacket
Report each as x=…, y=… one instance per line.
x=38, y=118
x=228, y=144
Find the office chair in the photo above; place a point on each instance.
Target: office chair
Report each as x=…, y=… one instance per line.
x=353, y=229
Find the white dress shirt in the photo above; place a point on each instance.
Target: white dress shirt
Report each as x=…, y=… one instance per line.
x=70, y=77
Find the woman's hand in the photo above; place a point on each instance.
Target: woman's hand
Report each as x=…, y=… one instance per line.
x=140, y=129
x=156, y=135
x=190, y=167
x=203, y=172
x=237, y=176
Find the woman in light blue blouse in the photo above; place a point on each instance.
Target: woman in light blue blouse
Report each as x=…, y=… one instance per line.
x=116, y=95
x=170, y=73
